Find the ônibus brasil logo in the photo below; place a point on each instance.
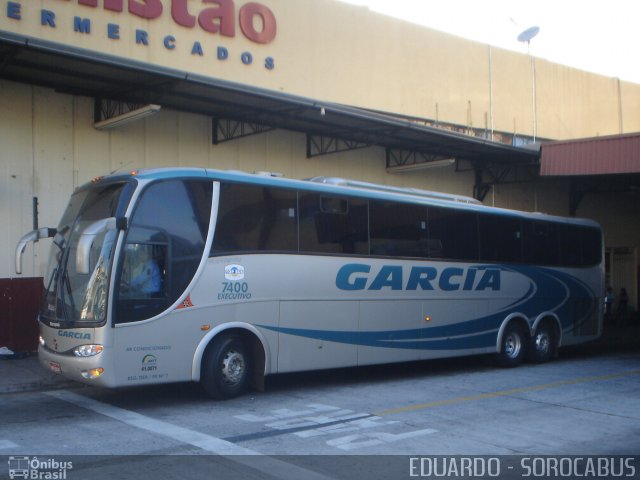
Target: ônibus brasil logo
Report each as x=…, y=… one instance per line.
x=37, y=468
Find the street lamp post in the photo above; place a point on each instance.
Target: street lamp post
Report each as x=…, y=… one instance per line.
x=526, y=36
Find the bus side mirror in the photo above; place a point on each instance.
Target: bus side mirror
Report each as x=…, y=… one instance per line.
x=32, y=236
x=88, y=236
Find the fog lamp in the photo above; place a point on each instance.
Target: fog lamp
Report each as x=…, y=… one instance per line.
x=93, y=373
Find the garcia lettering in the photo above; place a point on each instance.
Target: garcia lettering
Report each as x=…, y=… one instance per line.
x=355, y=276
x=76, y=335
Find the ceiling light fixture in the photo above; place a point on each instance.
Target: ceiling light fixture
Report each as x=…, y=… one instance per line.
x=128, y=117
x=447, y=162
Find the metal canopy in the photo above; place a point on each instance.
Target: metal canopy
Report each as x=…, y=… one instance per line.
x=607, y=164
x=79, y=72
x=605, y=155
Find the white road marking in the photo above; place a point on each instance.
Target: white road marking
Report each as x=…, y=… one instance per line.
x=283, y=413
x=209, y=443
x=181, y=434
x=4, y=444
x=319, y=419
x=351, y=442
x=351, y=426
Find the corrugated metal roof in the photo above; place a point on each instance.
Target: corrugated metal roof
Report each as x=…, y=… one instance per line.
x=592, y=156
x=76, y=71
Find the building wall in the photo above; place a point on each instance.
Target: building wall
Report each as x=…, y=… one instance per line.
x=333, y=51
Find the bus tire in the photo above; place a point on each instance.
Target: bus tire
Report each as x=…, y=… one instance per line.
x=513, y=346
x=543, y=344
x=226, y=367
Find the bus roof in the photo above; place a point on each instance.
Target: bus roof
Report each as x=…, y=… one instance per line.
x=340, y=186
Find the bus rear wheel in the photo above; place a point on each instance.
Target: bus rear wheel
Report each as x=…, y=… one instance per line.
x=544, y=344
x=513, y=346
x=226, y=368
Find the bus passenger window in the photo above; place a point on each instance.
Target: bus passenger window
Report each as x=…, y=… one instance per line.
x=333, y=225
x=541, y=243
x=580, y=246
x=254, y=218
x=399, y=230
x=500, y=238
x=591, y=246
x=453, y=234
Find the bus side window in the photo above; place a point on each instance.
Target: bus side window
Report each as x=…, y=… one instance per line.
x=591, y=246
x=253, y=218
x=333, y=225
x=541, y=243
x=570, y=246
x=453, y=234
x=399, y=230
x=500, y=238
x=580, y=246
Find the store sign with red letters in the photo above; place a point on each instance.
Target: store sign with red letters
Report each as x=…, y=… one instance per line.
x=224, y=18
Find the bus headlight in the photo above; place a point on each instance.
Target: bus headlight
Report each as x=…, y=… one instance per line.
x=87, y=350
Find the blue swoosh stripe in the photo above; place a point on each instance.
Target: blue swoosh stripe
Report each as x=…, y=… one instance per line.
x=549, y=290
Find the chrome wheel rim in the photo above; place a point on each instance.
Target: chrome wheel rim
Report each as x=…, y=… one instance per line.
x=233, y=367
x=512, y=345
x=543, y=342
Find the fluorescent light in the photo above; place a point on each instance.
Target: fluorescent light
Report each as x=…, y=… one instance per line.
x=447, y=162
x=123, y=119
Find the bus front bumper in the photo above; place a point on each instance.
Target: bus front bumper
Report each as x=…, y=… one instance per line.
x=87, y=370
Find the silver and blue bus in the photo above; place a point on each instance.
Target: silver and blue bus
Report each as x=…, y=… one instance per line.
x=224, y=277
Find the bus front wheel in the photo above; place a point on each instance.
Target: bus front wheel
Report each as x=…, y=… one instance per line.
x=513, y=346
x=226, y=367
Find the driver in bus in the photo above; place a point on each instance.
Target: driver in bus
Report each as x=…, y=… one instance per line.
x=145, y=275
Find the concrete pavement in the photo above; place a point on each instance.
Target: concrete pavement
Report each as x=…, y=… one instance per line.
x=23, y=373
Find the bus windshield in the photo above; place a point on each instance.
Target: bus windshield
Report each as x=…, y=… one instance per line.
x=71, y=297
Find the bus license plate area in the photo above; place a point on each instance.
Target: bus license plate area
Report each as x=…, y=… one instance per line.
x=55, y=367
